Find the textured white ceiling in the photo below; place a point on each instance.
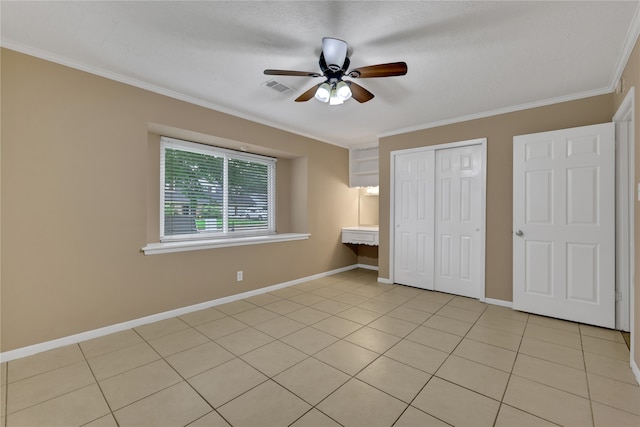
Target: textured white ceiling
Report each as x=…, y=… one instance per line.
x=465, y=59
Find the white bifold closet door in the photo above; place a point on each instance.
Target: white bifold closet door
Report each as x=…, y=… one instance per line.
x=413, y=233
x=458, y=216
x=438, y=218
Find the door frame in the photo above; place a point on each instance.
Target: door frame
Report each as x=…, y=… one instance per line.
x=625, y=191
x=483, y=208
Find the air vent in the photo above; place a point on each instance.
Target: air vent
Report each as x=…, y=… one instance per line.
x=277, y=86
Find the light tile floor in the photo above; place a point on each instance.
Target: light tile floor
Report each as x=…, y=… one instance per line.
x=341, y=350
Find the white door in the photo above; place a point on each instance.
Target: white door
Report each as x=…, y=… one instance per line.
x=564, y=224
x=458, y=221
x=413, y=216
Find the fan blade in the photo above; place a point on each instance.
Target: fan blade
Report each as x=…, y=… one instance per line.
x=292, y=73
x=308, y=94
x=381, y=70
x=359, y=93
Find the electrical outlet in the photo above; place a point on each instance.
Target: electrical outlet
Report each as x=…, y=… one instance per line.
x=239, y=276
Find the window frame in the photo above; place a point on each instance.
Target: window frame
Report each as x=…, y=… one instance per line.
x=226, y=154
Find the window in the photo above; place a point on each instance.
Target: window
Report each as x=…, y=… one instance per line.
x=209, y=192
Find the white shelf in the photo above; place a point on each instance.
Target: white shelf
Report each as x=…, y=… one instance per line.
x=366, y=159
x=363, y=167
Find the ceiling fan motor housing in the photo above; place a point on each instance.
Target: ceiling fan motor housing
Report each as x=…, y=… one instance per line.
x=333, y=71
x=335, y=52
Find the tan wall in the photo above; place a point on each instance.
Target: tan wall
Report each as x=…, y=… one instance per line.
x=631, y=76
x=79, y=201
x=499, y=131
x=368, y=255
x=369, y=212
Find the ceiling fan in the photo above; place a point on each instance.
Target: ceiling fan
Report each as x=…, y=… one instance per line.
x=334, y=64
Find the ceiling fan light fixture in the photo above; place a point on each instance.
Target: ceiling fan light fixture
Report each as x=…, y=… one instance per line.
x=335, y=99
x=324, y=92
x=335, y=52
x=343, y=91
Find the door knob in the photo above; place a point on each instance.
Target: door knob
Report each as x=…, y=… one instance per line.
x=519, y=233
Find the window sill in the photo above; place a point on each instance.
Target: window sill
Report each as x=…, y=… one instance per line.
x=196, y=245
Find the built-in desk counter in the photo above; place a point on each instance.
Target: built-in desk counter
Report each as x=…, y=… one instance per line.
x=360, y=235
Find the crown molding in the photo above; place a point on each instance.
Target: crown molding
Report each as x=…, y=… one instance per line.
x=491, y=113
x=57, y=59
x=627, y=48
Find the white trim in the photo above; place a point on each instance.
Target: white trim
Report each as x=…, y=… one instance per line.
x=627, y=49
x=392, y=215
x=625, y=191
x=483, y=231
x=213, y=150
x=385, y=280
x=196, y=245
x=627, y=110
x=478, y=141
x=368, y=267
x=636, y=370
x=501, y=303
x=119, y=327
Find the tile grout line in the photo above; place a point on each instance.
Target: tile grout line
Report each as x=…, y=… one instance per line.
x=443, y=362
x=354, y=376
x=495, y=418
x=211, y=340
x=267, y=376
x=434, y=374
x=584, y=370
x=185, y=380
x=56, y=397
x=6, y=396
x=511, y=374
x=97, y=383
x=312, y=356
x=584, y=363
x=145, y=341
x=515, y=359
x=501, y=401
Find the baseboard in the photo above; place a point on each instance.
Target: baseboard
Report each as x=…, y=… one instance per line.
x=119, y=327
x=501, y=303
x=386, y=281
x=368, y=267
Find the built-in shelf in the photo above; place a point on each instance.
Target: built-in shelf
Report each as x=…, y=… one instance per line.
x=363, y=167
x=360, y=235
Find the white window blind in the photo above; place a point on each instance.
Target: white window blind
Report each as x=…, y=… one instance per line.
x=208, y=192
